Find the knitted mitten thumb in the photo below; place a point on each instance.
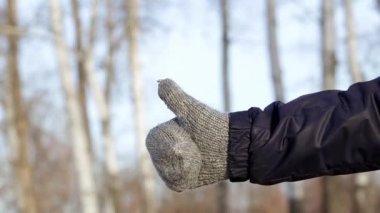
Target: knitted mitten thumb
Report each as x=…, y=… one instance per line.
x=190, y=150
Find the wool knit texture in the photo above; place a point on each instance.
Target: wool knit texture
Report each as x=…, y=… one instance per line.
x=190, y=150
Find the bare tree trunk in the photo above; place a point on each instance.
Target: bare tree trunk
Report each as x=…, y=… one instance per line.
x=222, y=190
x=362, y=180
x=25, y=195
x=87, y=187
x=294, y=192
x=80, y=53
x=360, y=193
x=312, y=202
x=273, y=51
x=225, y=55
x=329, y=66
x=110, y=26
x=352, y=43
x=112, y=167
x=87, y=75
x=133, y=29
x=17, y=123
x=328, y=44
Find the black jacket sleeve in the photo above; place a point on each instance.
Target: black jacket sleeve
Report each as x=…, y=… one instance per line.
x=326, y=133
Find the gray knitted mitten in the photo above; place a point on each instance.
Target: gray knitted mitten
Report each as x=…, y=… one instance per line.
x=190, y=150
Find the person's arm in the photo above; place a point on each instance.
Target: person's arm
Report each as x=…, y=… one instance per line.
x=326, y=133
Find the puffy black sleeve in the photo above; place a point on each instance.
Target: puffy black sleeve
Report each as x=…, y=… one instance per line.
x=326, y=133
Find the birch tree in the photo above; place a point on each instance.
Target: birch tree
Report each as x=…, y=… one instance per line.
x=145, y=170
x=87, y=189
x=102, y=101
x=80, y=53
x=17, y=125
x=351, y=43
x=273, y=50
x=113, y=182
x=328, y=44
x=111, y=47
x=329, y=78
x=222, y=190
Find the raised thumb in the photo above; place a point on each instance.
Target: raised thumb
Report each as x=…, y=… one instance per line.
x=175, y=98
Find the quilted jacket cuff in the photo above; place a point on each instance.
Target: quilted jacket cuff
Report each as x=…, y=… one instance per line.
x=238, y=146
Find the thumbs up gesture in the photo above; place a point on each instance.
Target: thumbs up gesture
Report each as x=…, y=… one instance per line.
x=190, y=150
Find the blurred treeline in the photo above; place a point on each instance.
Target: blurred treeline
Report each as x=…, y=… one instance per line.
x=58, y=151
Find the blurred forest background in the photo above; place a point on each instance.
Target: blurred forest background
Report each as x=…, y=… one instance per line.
x=78, y=95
